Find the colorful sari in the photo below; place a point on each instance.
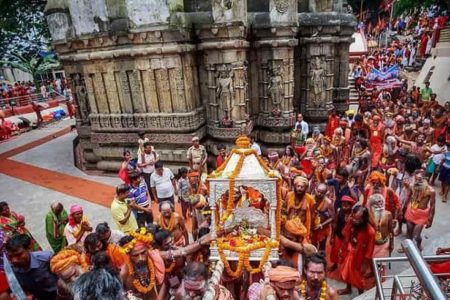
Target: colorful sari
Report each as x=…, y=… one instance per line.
x=15, y=224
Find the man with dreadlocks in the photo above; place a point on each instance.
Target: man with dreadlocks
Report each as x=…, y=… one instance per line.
x=420, y=208
x=377, y=185
x=145, y=267
x=405, y=177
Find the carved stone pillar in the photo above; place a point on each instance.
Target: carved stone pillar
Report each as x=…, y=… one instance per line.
x=223, y=73
x=322, y=63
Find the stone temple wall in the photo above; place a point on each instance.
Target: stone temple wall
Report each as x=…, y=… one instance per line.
x=175, y=68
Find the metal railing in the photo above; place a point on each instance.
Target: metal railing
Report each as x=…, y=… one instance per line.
x=27, y=99
x=422, y=284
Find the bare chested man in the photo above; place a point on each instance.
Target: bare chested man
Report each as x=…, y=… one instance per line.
x=174, y=223
x=300, y=205
x=323, y=216
x=383, y=223
x=420, y=208
x=360, y=161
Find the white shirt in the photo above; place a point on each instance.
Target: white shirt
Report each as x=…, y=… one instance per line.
x=163, y=184
x=153, y=156
x=305, y=127
x=257, y=148
x=437, y=158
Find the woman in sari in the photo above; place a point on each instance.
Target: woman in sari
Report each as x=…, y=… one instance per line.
x=12, y=223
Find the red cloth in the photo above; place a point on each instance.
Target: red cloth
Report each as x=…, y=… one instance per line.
x=353, y=256
x=423, y=45
x=333, y=123
x=441, y=267
x=376, y=143
x=4, y=286
x=123, y=174
x=219, y=161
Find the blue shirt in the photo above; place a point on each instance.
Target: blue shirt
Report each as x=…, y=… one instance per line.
x=339, y=193
x=139, y=194
x=38, y=279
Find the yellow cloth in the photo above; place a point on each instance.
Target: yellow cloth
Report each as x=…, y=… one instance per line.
x=118, y=211
x=66, y=258
x=284, y=274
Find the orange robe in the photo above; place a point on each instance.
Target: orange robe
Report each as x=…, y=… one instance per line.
x=117, y=258
x=333, y=123
x=376, y=143
x=307, y=205
x=354, y=254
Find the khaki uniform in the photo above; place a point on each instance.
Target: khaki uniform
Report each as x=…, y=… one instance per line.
x=197, y=155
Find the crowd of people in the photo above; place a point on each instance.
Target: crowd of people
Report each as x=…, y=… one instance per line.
x=346, y=193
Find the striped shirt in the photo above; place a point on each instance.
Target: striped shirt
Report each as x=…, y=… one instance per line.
x=139, y=194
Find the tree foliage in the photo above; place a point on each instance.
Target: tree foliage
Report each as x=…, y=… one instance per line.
x=23, y=28
x=34, y=65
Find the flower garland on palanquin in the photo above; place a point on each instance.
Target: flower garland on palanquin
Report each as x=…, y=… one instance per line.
x=144, y=237
x=244, y=255
x=244, y=150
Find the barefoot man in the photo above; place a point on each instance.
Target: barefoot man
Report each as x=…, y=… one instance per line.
x=300, y=205
x=323, y=216
x=357, y=251
x=174, y=223
x=383, y=224
x=420, y=209
x=315, y=284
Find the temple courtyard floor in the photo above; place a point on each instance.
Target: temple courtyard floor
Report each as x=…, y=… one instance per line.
x=36, y=169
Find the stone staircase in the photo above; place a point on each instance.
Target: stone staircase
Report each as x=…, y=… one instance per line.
x=353, y=97
x=444, y=36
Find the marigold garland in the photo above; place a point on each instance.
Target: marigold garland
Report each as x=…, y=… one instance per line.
x=231, y=186
x=137, y=283
x=323, y=290
x=244, y=255
x=278, y=210
x=141, y=236
x=171, y=224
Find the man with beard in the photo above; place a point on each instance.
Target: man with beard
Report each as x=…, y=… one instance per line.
x=382, y=222
x=93, y=244
x=195, y=285
x=377, y=185
x=283, y=284
x=300, y=205
x=315, y=284
x=360, y=161
x=174, y=223
x=68, y=265
x=357, y=250
x=323, y=215
x=167, y=261
x=420, y=208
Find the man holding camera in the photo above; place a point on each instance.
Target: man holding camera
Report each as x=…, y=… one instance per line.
x=121, y=211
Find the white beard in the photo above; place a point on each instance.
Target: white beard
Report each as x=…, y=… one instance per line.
x=378, y=214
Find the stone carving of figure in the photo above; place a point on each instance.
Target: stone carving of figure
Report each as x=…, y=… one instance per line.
x=320, y=5
x=81, y=98
x=318, y=82
x=281, y=6
x=224, y=92
x=276, y=90
x=221, y=9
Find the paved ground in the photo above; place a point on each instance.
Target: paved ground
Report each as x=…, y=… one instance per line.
x=41, y=171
